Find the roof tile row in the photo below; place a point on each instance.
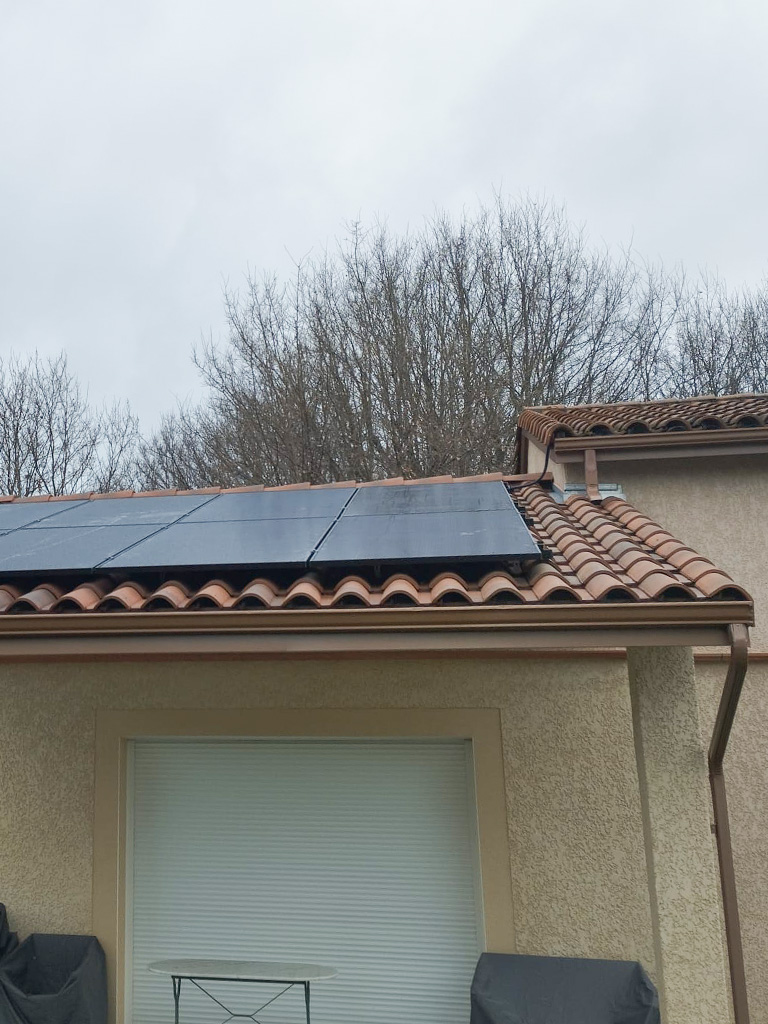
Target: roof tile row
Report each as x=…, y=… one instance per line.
x=546, y=423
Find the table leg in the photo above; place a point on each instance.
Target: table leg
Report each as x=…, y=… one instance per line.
x=306, y=998
x=176, y=997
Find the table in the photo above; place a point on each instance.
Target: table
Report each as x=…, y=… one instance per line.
x=250, y=971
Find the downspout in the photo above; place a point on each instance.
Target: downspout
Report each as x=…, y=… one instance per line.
x=734, y=681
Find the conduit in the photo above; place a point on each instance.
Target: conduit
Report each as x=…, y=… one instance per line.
x=734, y=681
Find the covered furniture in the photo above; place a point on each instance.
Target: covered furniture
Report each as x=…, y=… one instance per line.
x=54, y=979
x=514, y=989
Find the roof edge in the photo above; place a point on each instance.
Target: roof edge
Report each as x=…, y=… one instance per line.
x=673, y=439
x=434, y=620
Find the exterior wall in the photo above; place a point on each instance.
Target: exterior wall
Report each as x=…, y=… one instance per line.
x=577, y=860
x=537, y=458
x=746, y=775
x=719, y=506
x=682, y=869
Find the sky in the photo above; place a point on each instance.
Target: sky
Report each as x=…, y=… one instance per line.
x=153, y=152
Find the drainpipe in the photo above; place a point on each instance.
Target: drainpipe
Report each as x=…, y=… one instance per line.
x=734, y=681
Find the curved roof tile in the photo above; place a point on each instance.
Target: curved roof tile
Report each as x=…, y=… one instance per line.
x=712, y=413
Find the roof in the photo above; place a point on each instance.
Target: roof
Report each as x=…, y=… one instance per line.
x=595, y=555
x=707, y=416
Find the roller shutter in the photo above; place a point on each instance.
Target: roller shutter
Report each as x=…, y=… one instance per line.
x=357, y=854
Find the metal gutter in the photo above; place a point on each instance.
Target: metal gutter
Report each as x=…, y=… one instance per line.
x=480, y=642
x=495, y=629
x=729, y=701
x=670, y=439
x=578, y=617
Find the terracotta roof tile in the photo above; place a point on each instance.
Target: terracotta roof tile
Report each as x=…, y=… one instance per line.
x=709, y=413
x=128, y=596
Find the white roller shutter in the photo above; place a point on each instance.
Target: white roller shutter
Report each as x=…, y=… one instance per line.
x=361, y=855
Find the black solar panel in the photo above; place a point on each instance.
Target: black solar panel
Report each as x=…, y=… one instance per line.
x=62, y=549
x=299, y=504
x=340, y=526
x=427, y=537
x=405, y=499
x=16, y=514
x=226, y=545
x=129, y=511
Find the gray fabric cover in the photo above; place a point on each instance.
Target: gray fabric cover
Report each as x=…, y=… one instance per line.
x=54, y=979
x=8, y=939
x=514, y=989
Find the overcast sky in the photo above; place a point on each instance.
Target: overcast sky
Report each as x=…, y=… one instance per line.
x=152, y=149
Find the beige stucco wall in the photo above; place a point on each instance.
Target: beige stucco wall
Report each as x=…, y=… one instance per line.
x=682, y=868
x=746, y=773
x=575, y=827
x=719, y=506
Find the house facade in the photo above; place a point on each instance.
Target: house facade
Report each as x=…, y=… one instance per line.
x=386, y=768
x=700, y=467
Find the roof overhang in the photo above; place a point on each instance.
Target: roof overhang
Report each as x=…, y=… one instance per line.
x=441, y=630
x=675, y=444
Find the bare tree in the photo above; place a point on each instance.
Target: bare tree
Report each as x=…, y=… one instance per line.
x=414, y=354
x=720, y=342
x=51, y=440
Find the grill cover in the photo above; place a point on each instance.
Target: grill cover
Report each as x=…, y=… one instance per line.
x=8, y=940
x=512, y=989
x=53, y=979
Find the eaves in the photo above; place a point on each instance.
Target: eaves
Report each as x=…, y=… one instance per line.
x=339, y=632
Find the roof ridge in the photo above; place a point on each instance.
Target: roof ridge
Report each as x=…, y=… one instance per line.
x=650, y=402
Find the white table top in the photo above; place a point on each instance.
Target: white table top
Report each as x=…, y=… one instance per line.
x=243, y=970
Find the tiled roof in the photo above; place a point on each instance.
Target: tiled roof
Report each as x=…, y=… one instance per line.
x=546, y=423
x=596, y=554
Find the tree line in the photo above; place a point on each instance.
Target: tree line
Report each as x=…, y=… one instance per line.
x=395, y=355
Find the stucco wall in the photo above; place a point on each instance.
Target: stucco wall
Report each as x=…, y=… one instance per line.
x=746, y=773
x=575, y=827
x=719, y=506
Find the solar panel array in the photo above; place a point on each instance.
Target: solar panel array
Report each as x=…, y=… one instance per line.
x=339, y=526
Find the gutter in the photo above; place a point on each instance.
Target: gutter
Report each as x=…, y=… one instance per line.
x=671, y=439
x=729, y=701
x=584, y=617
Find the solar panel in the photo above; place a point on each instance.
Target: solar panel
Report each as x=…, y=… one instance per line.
x=341, y=526
x=61, y=549
x=14, y=515
x=406, y=499
x=233, y=544
x=427, y=537
x=298, y=504
x=129, y=511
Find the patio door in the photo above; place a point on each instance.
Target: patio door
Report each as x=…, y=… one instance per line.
x=361, y=855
